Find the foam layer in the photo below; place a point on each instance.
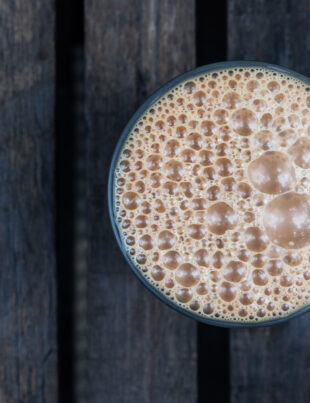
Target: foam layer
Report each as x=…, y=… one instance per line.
x=211, y=194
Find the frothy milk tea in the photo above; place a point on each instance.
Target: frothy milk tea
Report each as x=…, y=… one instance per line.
x=211, y=194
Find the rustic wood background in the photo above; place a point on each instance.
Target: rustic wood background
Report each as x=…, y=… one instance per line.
x=75, y=324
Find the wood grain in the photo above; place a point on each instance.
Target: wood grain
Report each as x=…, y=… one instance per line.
x=273, y=31
x=139, y=349
x=27, y=275
x=271, y=364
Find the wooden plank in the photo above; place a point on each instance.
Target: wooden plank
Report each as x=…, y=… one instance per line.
x=271, y=364
x=28, y=347
x=139, y=349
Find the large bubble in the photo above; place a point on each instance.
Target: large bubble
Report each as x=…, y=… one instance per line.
x=287, y=220
x=131, y=200
x=166, y=240
x=234, y=271
x=272, y=173
x=244, y=121
x=187, y=275
x=300, y=152
x=255, y=239
x=227, y=291
x=220, y=218
x=172, y=259
x=174, y=170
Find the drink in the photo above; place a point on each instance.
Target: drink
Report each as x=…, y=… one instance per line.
x=211, y=194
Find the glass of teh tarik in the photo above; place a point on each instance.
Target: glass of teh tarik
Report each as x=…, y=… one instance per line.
x=209, y=194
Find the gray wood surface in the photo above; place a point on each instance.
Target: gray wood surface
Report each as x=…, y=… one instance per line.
x=27, y=275
x=272, y=364
x=139, y=349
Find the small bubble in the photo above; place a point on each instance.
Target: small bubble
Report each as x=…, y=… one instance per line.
x=244, y=122
x=259, y=277
x=157, y=273
x=208, y=308
x=184, y=295
x=199, y=98
x=187, y=275
x=189, y=87
x=224, y=166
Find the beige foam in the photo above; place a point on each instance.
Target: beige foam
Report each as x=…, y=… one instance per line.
x=201, y=190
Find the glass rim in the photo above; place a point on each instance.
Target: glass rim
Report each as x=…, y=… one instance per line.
x=110, y=192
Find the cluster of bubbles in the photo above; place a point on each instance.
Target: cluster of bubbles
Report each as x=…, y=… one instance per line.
x=211, y=194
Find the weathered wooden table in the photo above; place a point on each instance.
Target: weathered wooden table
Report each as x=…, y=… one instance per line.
x=62, y=109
